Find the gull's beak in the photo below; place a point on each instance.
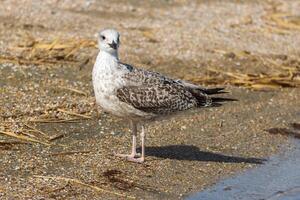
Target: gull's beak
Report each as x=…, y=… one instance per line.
x=113, y=45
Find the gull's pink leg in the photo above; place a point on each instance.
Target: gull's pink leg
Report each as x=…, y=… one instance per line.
x=142, y=158
x=133, y=150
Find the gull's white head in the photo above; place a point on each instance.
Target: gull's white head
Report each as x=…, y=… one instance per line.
x=109, y=40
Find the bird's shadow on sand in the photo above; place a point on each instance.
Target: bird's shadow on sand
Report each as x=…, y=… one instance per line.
x=193, y=153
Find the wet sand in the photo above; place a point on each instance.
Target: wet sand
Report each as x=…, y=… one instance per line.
x=185, y=154
x=277, y=179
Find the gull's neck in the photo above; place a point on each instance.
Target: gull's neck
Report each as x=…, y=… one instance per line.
x=108, y=56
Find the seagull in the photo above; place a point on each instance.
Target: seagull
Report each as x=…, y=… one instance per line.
x=140, y=95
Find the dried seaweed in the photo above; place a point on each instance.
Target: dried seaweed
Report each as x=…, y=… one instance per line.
x=75, y=114
x=23, y=137
x=296, y=126
x=286, y=131
x=284, y=21
x=58, y=51
x=74, y=90
x=280, y=22
x=80, y=183
x=277, y=75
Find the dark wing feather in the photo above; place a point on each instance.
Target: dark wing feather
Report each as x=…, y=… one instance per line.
x=158, y=99
x=137, y=76
x=147, y=79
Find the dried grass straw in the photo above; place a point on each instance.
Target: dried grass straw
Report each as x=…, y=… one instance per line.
x=23, y=137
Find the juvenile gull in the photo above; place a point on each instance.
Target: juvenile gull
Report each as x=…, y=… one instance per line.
x=137, y=94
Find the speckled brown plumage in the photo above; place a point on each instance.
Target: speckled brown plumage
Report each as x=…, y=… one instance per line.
x=155, y=93
x=158, y=99
x=138, y=76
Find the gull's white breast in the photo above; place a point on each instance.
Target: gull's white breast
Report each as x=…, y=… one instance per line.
x=107, y=78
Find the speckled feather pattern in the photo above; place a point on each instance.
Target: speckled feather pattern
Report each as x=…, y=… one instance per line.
x=143, y=77
x=135, y=93
x=158, y=99
x=153, y=92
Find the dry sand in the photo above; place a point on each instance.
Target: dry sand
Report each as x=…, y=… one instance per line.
x=180, y=38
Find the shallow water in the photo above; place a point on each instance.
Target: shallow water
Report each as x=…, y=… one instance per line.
x=278, y=179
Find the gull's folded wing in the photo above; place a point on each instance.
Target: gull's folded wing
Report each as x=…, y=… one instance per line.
x=158, y=99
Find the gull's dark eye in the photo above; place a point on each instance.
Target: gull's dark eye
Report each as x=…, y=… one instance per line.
x=102, y=37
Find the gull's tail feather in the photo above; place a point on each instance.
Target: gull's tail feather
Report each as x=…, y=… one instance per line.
x=203, y=94
x=204, y=100
x=217, y=101
x=208, y=91
x=221, y=99
x=211, y=91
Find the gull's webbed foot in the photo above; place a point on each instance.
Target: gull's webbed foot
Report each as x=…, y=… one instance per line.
x=132, y=155
x=136, y=160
